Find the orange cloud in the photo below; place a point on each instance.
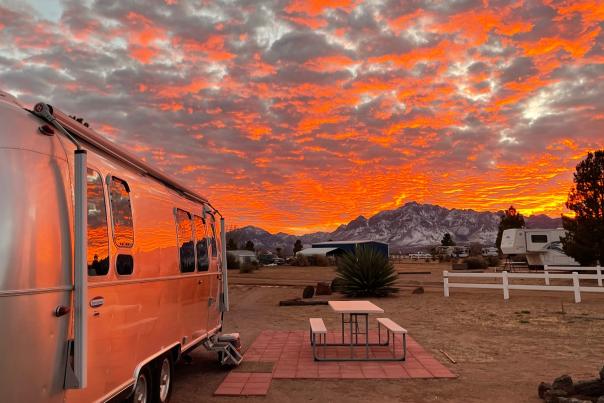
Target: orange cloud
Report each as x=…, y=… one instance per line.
x=302, y=115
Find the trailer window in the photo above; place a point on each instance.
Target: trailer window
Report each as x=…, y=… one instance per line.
x=539, y=238
x=201, y=244
x=124, y=264
x=98, y=239
x=213, y=240
x=184, y=233
x=121, y=211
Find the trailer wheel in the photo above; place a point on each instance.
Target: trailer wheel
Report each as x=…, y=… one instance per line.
x=142, y=388
x=162, y=390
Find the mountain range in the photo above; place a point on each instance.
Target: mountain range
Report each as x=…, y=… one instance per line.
x=412, y=226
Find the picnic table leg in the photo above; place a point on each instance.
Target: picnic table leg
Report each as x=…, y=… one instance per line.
x=367, y=336
x=342, y=328
x=350, y=324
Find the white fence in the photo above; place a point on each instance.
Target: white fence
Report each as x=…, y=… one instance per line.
x=597, y=269
x=505, y=285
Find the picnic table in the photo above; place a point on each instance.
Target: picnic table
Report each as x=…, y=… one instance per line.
x=354, y=310
x=350, y=312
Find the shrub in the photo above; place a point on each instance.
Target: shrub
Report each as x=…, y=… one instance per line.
x=366, y=273
x=248, y=267
x=309, y=291
x=336, y=284
x=318, y=260
x=476, y=263
x=300, y=260
x=493, y=261
x=232, y=261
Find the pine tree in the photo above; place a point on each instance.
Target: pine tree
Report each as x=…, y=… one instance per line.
x=231, y=245
x=297, y=246
x=447, y=240
x=249, y=245
x=585, y=231
x=511, y=219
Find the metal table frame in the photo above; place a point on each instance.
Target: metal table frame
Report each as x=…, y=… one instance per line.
x=353, y=324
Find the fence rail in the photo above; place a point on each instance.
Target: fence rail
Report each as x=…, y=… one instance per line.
x=597, y=269
x=505, y=285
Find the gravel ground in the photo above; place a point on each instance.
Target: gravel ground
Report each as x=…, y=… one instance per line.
x=503, y=348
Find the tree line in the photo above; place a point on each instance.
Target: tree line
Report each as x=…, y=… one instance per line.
x=249, y=245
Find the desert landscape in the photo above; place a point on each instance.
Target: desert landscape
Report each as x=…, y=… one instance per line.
x=502, y=349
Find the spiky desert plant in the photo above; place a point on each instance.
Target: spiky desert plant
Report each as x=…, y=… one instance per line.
x=366, y=273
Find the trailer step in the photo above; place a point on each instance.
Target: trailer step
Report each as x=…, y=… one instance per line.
x=228, y=347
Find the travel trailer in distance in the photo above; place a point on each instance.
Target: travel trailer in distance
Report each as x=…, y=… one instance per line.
x=540, y=246
x=109, y=270
x=461, y=251
x=441, y=250
x=489, y=251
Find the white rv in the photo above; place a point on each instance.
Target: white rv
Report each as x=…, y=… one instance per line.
x=540, y=246
x=444, y=250
x=109, y=270
x=461, y=251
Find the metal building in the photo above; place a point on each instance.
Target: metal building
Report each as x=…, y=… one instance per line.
x=350, y=246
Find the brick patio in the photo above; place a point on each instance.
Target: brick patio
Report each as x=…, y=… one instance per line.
x=291, y=353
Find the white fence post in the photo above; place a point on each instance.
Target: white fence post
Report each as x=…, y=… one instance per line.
x=599, y=272
x=446, y=282
x=506, y=290
x=546, y=274
x=576, y=287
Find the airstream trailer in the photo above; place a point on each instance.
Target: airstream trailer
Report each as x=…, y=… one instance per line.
x=109, y=270
x=540, y=246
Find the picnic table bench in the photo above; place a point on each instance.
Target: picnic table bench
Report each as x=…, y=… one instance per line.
x=394, y=328
x=318, y=330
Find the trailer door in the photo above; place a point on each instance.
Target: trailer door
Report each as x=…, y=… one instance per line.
x=215, y=276
x=203, y=265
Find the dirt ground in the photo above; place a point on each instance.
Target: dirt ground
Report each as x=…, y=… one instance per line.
x=503, y=349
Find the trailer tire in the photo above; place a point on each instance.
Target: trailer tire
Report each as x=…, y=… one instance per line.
x=143, y=387
x=164, y=379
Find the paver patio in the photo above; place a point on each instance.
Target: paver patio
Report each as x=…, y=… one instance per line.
x=292, y=354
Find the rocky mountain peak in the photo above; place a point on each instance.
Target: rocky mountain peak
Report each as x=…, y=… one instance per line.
x=412, y=225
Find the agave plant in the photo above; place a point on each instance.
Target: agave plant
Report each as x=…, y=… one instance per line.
x=366, y=273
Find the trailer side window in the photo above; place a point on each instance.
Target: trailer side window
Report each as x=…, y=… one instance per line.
x=184, y=233
x=98, y=239
x=201, y=244
x=121, y=211
x=124, y=264
x=213, y=239
x=539, y=238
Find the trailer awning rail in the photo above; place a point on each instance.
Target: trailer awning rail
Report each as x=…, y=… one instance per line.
x=91, y=137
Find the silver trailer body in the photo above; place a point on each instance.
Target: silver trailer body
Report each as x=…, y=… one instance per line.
x=154, y=262
x=540, y=246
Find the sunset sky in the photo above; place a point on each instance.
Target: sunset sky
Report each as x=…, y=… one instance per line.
x=297, y=116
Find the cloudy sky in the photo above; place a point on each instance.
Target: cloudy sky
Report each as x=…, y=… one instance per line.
x=298, y=116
